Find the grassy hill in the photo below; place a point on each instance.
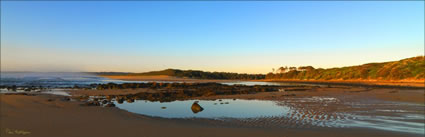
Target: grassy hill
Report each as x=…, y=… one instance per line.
x=196, y=74
x=406, y=69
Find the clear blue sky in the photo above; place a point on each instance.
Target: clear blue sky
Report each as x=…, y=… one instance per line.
x=248, y=37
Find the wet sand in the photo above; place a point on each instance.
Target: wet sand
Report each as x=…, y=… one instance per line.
x=387, y=109
x=419, y=83
x=388, y=94
x=50, y=115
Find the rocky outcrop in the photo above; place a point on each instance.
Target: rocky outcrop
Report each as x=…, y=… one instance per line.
x=196, y=107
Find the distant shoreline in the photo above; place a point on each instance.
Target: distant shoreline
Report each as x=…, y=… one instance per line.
x=163, y=78
x=379, y=83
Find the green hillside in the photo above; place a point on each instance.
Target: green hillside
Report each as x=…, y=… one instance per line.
x=410, y=68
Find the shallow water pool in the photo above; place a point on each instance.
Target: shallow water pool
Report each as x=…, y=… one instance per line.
x=304, y=112
x=226, y=108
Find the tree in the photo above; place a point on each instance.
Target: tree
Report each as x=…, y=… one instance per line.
x=282, y=69
x=306, y=68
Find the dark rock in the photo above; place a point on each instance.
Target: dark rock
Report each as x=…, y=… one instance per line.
x=120, y=100
x=110, y=105
x=83, y=98
x=91, y=103
x=65, y=99
x=196, y=108
x=15, y=94
x=289, y=95
x=130, y=100
x=104, y=101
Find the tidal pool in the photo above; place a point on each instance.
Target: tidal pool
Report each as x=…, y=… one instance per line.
x=226, y=108
x=305, y=112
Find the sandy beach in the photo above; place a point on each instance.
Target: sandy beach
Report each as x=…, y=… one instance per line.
x=51, y=115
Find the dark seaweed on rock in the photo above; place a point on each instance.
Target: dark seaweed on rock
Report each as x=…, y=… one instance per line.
x=167, y=92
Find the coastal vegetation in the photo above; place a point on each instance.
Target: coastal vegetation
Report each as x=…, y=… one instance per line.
x=410, y=69
x=195, y=74
x=406, y=69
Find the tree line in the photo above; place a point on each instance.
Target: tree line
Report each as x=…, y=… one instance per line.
x=196, y=74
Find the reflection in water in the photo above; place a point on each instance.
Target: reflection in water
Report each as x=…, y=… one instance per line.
x=204, y=108
x=196, y=107
x=304, y=112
